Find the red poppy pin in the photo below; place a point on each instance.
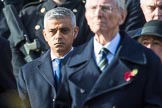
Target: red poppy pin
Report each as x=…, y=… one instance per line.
x=130, y=74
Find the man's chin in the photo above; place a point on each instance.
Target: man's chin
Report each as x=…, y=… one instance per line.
x=98, y=30
x=60, y=49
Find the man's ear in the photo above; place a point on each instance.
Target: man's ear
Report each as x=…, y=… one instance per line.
x=76, y=30
x=122, y=17
x=44, y=34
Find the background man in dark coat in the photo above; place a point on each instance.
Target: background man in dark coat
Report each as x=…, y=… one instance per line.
x=111, y=70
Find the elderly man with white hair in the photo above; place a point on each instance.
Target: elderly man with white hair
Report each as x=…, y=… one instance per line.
x=111, y=70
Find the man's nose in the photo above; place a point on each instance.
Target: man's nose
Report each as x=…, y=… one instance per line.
x=148, y=46
x=58, y=34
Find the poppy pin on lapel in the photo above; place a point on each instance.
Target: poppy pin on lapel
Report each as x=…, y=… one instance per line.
x=128, y=75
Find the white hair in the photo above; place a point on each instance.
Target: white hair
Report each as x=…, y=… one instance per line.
x=120, y=4
x=142, y=1
x=60, y=12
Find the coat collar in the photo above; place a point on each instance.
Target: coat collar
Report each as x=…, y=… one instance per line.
x=128, y=49
x=82, y=54
x=131, y=50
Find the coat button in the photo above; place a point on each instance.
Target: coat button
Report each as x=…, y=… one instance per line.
x=43, y=10
x=54, y=99
x=37, y=27
x=82, y=91
x=75, y=10
x=84, y=1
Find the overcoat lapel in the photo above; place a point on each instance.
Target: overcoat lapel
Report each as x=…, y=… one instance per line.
x=45, y=68
x=111, y=79
x=81, y=80
x=87, y=67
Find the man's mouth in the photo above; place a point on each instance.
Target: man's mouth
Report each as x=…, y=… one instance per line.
x=60, y=43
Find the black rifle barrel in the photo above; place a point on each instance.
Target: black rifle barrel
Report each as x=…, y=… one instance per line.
x=19, y=33
x=14, y=23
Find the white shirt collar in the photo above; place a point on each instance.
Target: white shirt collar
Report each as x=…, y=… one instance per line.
x=111, y=46
x=54, y=57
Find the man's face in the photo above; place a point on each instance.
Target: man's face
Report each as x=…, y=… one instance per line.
x=103, y=15
x=59, y=34
x=153, y=43
x=152, y=9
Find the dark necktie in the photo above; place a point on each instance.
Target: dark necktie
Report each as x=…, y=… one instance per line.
x=103, y=62
x=57, y=73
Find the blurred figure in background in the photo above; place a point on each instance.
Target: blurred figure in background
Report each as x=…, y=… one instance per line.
x=25, y=2
x=151, y=36
x=135, y=18
x=4, y=30
x=152, y=9
x=8, y=90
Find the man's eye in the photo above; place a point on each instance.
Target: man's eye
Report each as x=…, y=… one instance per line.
x=64, y=30
x=53, y=31
x=50, y=30
x=151, y=8
x=160, y=7
x=106, y=8
x=92, y=8
x=156, y=42
x=145, y=42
